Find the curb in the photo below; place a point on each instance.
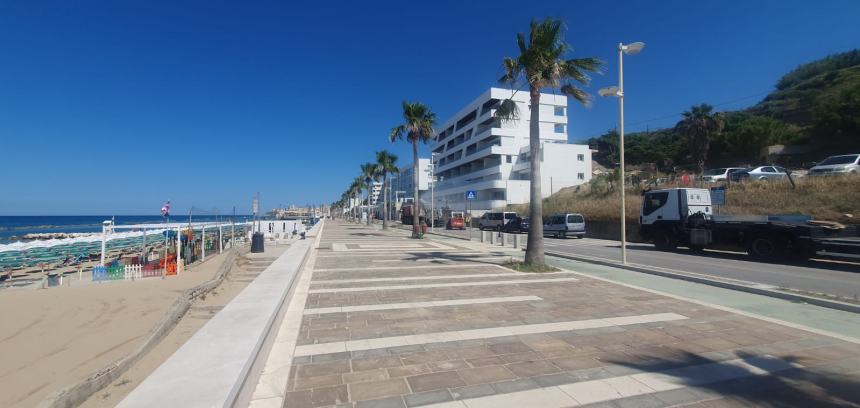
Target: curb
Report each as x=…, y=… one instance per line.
x=75, y=395
x=830, y=304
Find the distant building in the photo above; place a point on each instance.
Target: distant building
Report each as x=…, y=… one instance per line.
x=402, y=184
x=474, y=150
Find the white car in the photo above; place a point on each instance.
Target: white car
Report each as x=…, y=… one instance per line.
x=847, y=164
x=716, y=175
x=767, y=173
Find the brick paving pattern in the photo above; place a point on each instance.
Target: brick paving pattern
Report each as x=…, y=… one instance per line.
x=598, y=344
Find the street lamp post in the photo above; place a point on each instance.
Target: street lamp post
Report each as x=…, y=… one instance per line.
x=432, y=179
x=618, y=91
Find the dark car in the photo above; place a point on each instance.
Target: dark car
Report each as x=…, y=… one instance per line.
x=516, y=225
x=740, y=175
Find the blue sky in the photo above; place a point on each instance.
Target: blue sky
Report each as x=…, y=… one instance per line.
x=113, y=107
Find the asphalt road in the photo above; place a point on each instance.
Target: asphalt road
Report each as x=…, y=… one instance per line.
x=818, y=276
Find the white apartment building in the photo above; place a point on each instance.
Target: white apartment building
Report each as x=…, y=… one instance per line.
x=375, y=192
x=475, y=151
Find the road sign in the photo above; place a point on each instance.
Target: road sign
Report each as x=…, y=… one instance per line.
x=471, y=195
x=718, y=196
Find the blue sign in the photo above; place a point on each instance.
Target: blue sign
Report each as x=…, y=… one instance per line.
x=471, y=195
x=718, y=196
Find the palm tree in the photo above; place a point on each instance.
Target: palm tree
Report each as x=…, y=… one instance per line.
x=370, y=172
x=387, y=164
x=354, y=190
x=542, y=64
x=418, y=125
x=699, y=126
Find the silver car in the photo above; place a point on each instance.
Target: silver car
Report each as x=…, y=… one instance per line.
x=716, y=175
x=768, y=173
x=565, y=225
x=846, y=164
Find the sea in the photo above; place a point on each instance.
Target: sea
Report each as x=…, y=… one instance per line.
x=13, y=228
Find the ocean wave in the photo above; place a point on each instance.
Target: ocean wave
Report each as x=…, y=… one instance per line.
x=23, y=246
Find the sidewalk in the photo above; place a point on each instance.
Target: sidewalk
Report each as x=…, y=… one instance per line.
x=393, y=322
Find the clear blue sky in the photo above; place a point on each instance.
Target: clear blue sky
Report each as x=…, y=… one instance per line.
x=112, y=107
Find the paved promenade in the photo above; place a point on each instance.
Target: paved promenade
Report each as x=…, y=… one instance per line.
x=382, y=320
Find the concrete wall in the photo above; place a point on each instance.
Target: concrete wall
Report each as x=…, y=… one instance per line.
x=611, y=230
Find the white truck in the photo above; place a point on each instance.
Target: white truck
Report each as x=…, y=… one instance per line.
x=675, y=217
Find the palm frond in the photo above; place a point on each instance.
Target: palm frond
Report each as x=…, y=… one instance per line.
x=508, y=110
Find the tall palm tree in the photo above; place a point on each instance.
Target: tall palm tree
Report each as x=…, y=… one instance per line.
x=418, y=125
x=387, y=164
x=699, y=126
x=542, y=64
x=370, y=173
x=354, y=191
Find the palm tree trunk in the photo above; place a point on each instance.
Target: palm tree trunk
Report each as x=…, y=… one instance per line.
x=534, y=246
x=368, y=204
x=384, y=200
x=415, y=218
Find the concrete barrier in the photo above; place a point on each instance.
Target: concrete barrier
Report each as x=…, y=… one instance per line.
x=612, y=230
x=209, y=370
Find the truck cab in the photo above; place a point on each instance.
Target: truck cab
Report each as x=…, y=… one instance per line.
x=664, y=211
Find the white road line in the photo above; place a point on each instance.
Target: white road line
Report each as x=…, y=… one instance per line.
x=610, y=389
x=387, y=268
x=412, y=305
x=405, y=254
x=485, y=258
x=441, y=337
x=441, y=285
x=409, y=278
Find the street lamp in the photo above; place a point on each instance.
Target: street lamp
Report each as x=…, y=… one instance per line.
x=618, y=91
x=432, y=180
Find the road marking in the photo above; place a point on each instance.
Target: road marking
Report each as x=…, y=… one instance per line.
x=614, y=388
x=409, y=278
x=475, y=334
x=436, y=259
x=412, y=305
x=441, y=285
x=388, y=268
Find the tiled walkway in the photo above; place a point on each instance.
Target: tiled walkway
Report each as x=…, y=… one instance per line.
x=388, y=321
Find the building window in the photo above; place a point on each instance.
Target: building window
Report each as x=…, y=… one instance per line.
x=580, y=176
x=559, y=111
x=509, y=159
x=580, y=157
x=559, y=128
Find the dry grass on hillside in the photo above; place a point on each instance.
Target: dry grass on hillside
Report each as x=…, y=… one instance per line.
x=829, y=199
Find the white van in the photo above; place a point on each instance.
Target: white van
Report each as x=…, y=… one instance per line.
x=495, y=220
x=565, y=225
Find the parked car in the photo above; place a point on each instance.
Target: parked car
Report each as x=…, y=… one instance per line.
x=565, y=225
x=495, y=220
x=846, y=164
x=762, y=173
x=516, y=226
x=717, y=175
x=456, y=221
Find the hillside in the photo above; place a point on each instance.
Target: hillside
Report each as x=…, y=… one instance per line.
x=816, y=105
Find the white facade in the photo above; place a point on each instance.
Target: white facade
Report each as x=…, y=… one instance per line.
x=375, y=192
x=403, y=183
x=475, y=151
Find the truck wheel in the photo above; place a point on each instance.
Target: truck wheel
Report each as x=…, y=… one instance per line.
x=765, y=247
x=665, y=241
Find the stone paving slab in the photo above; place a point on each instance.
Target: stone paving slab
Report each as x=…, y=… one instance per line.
x=710, y=357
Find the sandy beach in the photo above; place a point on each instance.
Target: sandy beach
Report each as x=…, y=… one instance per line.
x=53, y=338
x=244, y=270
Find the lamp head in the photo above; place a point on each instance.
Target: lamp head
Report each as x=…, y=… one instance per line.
x=633, y=48
x=608, y=91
